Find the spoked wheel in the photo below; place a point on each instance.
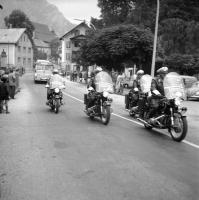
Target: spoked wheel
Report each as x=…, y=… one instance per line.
x=179, y=131
x=106, y=115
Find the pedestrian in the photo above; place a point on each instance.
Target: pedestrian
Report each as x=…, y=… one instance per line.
x=4, y=94
x=120, y=84
x=80, y=77
x=12, y=83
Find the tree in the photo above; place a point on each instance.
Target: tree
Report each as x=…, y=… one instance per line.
x=18, y=19
x=118, y=45
x=184, y=63
x=114, y=11
x=54, y=45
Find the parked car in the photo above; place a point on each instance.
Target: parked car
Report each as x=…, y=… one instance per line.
x=193, y=91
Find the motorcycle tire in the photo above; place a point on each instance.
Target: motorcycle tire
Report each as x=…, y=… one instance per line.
x=179, y=137
x=57, y=106
x=105, y=119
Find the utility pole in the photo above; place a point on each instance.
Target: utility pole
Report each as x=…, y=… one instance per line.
x=155, y=39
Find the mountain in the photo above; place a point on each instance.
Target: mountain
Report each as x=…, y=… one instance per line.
x=40, y=11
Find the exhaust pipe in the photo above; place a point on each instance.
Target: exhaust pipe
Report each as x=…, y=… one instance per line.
x=144, y=122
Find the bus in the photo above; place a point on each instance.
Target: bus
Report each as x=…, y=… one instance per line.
x=43, y=70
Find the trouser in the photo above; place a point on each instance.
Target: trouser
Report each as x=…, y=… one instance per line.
x=3, y=102
x=12, y=91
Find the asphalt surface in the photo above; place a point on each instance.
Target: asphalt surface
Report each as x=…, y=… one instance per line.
x=67, y=156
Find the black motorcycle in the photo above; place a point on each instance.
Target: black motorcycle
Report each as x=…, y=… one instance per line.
x=55, y=99
x=100, y=106
x=98, y=102
x=165, y=112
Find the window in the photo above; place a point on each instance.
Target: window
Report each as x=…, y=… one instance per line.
x=19, y=60
x=29, y=50
x=24, y=61
x=19, y=49
x=87, y=32
x=24, y=38
x=68, y=44
x=77, y=32
x=76, y=44
x=29, y=60
x=24, y=49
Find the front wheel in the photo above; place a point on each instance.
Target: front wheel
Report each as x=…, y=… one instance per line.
x=56, y=106
x=179, y=131
x=106, y=115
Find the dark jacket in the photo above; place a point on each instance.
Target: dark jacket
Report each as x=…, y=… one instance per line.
x=4, y=94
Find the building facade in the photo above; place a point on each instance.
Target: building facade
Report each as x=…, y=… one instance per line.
x=71, y=46
x=17, y=47
x=43, y=37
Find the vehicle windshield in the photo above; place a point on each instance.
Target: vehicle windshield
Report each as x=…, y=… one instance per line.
x=44, y=67
x=103, y=82
x=174, y=86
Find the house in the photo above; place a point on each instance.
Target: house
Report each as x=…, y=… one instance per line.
x=71, y=46
x=42, y=37
x=16, y=48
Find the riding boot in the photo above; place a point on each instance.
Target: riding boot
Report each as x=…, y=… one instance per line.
x=7, y=112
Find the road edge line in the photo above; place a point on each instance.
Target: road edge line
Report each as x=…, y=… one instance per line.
x=138, y=123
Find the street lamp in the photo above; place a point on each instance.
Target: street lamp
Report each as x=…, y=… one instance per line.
x=155, y=39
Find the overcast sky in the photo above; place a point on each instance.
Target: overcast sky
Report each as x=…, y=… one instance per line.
x=77, y=9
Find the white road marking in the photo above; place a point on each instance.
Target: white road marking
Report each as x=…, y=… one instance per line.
x=135, y=122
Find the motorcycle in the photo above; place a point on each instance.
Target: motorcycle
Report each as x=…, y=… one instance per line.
x=98, y=101
x=56, y=96
x=165, y=112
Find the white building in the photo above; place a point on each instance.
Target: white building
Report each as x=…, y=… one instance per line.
x=70, y=46
x=17, y=46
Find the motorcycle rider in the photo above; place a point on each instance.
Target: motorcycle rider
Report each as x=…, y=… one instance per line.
x=92, y=89
x=162, y=72
x=134, y=92
x=55, y=81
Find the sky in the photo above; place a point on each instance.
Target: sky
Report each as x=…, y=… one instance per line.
x=77, y=9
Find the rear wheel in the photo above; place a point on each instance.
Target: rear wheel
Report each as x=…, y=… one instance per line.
x=179, y=131
x=106, y=115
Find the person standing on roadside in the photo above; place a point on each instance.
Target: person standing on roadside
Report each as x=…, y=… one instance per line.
x=12, y=83
x=120, y=84
x=4, y=94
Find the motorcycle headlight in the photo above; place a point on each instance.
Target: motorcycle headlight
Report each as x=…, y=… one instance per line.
x=178, y=101
x=56, y=90
x=105, y=94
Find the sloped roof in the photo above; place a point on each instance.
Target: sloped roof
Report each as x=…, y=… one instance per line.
x=73, y=29
x=43, y=33
x=11, y=35
x=40, y=43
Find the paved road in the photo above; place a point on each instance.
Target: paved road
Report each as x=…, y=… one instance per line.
x=45, y=156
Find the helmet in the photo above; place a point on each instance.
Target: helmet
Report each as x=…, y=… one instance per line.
x=140, y=72
x=163, y=70
x=98, y=69
x=55, y=71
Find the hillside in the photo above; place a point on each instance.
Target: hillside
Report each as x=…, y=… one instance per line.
x=38, y=11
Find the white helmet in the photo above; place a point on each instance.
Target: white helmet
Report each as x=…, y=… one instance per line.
x=55, y=71
x=98, y=69
x=163, y=70
x=140, y=72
